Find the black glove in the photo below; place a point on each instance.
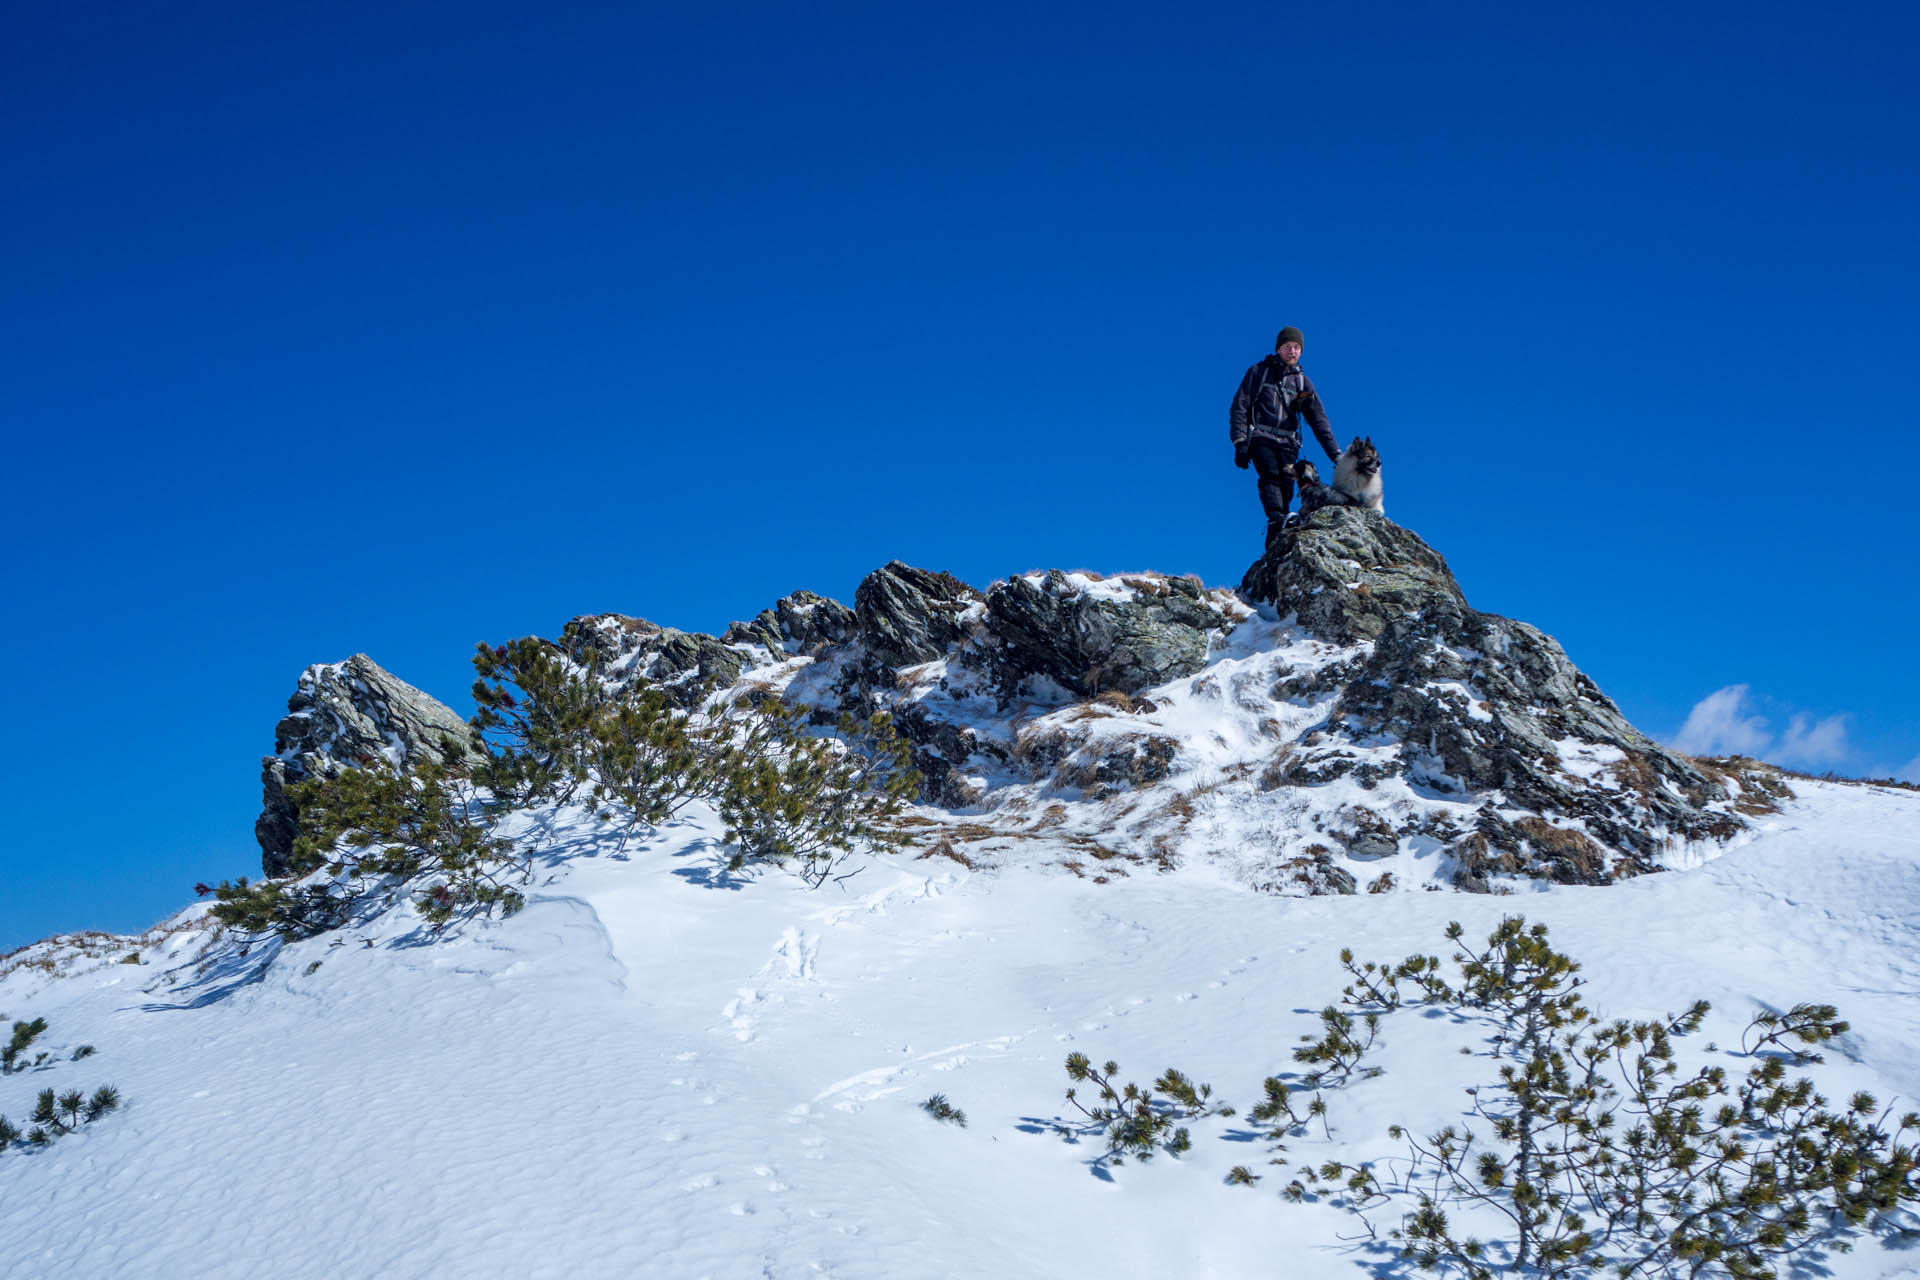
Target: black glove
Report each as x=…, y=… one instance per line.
x=1241, y=456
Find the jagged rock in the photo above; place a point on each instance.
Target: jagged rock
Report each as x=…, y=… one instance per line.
x=684, y=665
x=1478, y=704
x=342, y=715
x=906, y=615
x=763, y=630
x=941, y=750
x=1346, y=573
x=1092, y=643
x=802, y=623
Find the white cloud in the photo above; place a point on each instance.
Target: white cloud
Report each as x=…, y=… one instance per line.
x=1721, y=724
x=1910, y=771
x=1808, y=742
x=1728, y=722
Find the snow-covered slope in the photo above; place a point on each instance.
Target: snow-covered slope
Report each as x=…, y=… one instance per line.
x=1154, y=815
x=658, y=1070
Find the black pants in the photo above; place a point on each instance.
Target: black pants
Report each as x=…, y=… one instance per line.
x=1270, y=461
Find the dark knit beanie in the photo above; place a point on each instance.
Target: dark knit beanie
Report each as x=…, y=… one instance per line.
x=1288, y=334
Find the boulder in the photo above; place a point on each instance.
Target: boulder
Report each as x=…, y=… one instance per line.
x=1094, y=642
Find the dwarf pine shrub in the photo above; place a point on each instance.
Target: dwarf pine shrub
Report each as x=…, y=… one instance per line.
x=373, y=828
x=648, y=759
x=535, y=718
x=1596, y=1148
x=940, y=1109
x=57, y=1114
x=802, y=802
x=1138, y=1121
x=12, y=1055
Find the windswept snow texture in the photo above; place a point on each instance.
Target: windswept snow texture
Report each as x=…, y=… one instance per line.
x=658, y=1070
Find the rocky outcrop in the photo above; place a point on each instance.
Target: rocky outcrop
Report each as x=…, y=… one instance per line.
x=684, y=665
x=1347, y=574
x=802, y=623
x=1370, y=721
x=905, y=615
x=1091, y=642
x=345, y=715
x=1478, y=704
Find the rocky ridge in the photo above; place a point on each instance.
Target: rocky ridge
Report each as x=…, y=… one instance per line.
x=1344, y=717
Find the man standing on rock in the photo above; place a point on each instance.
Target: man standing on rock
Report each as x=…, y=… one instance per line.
x=1265, y=423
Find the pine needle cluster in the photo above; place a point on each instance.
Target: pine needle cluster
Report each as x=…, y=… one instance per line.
x=940, y=1109
x=13, y=1054
x=1138, y=1121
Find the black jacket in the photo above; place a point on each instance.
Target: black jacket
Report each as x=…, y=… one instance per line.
x=1272, y=398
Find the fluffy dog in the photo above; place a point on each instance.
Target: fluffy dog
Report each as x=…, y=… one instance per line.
x=1357, y=475
x=1356, y=481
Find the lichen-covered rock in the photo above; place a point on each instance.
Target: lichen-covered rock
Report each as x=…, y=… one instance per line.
x=1347, y=573
x=1091, y=642
x=345, y=715
x=684, y=665
x=905, y=615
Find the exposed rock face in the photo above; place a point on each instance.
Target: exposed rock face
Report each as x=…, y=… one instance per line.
x=1478, y=704
x=1090, y=643
x=345, y=714
x=684, y=665
x=905, y=615
x=802, y=623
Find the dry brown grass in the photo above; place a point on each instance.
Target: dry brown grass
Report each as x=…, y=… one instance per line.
x=944, y=849
x=913, y=820
x=1758, y=788
x=1147, y=584
x=975, y=832
x=1576, y=847
x=1636, y=773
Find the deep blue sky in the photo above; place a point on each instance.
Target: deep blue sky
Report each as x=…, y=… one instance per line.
x=396, y=328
